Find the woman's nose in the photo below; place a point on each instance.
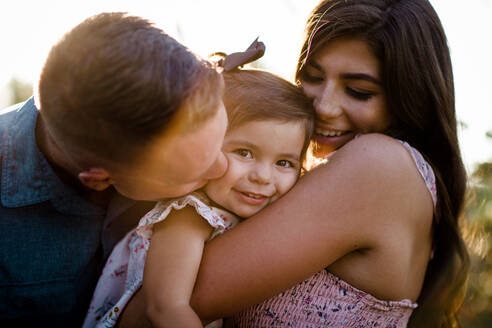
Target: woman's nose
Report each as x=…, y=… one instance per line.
x=261, y=173
x=327, y=103
x=218, y=168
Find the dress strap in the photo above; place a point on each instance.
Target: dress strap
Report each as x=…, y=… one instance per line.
x=425, y=170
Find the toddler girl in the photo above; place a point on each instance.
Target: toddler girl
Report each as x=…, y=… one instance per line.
x=270, y=125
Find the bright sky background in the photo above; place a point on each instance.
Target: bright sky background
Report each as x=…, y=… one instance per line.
x=29, y=28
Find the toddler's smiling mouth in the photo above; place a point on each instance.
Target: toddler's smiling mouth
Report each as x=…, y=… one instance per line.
x=253, y=195
x=252, y=198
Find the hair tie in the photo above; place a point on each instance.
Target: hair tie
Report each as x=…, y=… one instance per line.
x=237, y=59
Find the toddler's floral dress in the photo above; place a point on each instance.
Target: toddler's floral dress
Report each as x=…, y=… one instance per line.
x=123, y=272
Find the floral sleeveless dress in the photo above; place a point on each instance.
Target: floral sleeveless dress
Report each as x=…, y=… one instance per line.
x=324, y=300
x=123, y=273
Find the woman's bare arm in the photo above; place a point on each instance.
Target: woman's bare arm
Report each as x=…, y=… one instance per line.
x=349, y=204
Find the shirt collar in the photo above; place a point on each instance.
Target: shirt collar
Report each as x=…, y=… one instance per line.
x=27, y=177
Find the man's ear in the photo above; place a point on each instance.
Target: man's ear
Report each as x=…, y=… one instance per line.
x=96, y=178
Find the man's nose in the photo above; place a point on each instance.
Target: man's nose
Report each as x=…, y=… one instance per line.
x=218, y=168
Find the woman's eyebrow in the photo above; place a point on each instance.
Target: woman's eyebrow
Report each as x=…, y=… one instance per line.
x=361, y=76
x=315, y=65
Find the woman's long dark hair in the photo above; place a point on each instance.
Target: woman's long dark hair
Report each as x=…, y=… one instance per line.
x=408, y=39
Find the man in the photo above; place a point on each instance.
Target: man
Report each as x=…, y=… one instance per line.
x=122, y=111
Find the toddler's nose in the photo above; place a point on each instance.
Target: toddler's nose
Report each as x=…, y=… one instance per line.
x=261, y=174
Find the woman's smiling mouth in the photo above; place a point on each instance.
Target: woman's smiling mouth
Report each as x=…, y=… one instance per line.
x=330, y=133
x=328, y=140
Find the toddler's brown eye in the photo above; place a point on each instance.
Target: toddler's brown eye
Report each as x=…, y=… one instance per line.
x=284, y=163
x=244, y=153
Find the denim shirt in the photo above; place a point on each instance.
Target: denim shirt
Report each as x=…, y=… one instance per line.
x=53, y=243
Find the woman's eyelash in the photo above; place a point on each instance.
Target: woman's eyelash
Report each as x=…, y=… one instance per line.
x=311, y=78
x=359, y=95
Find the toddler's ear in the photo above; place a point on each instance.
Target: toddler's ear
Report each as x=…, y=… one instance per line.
x=96, y=178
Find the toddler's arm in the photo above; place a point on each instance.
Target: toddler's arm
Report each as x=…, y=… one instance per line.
x=171, y=268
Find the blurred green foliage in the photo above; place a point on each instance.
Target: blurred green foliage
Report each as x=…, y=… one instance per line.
x=477, y=310
x=20, y=90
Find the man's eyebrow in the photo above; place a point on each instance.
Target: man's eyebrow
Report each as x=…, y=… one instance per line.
x=361, y=76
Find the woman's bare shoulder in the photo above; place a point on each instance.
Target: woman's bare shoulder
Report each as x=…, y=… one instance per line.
x=375, y=156
x=378, y=148
x=377, y=172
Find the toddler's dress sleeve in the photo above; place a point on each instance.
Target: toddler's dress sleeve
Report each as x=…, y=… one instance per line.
x=123, y=272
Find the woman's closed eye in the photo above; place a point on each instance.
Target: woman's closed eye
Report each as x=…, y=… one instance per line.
x=312, y=78
x=246, y=153
x=359, y=94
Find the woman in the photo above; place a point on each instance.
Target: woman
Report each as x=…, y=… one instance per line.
x=377, y=71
